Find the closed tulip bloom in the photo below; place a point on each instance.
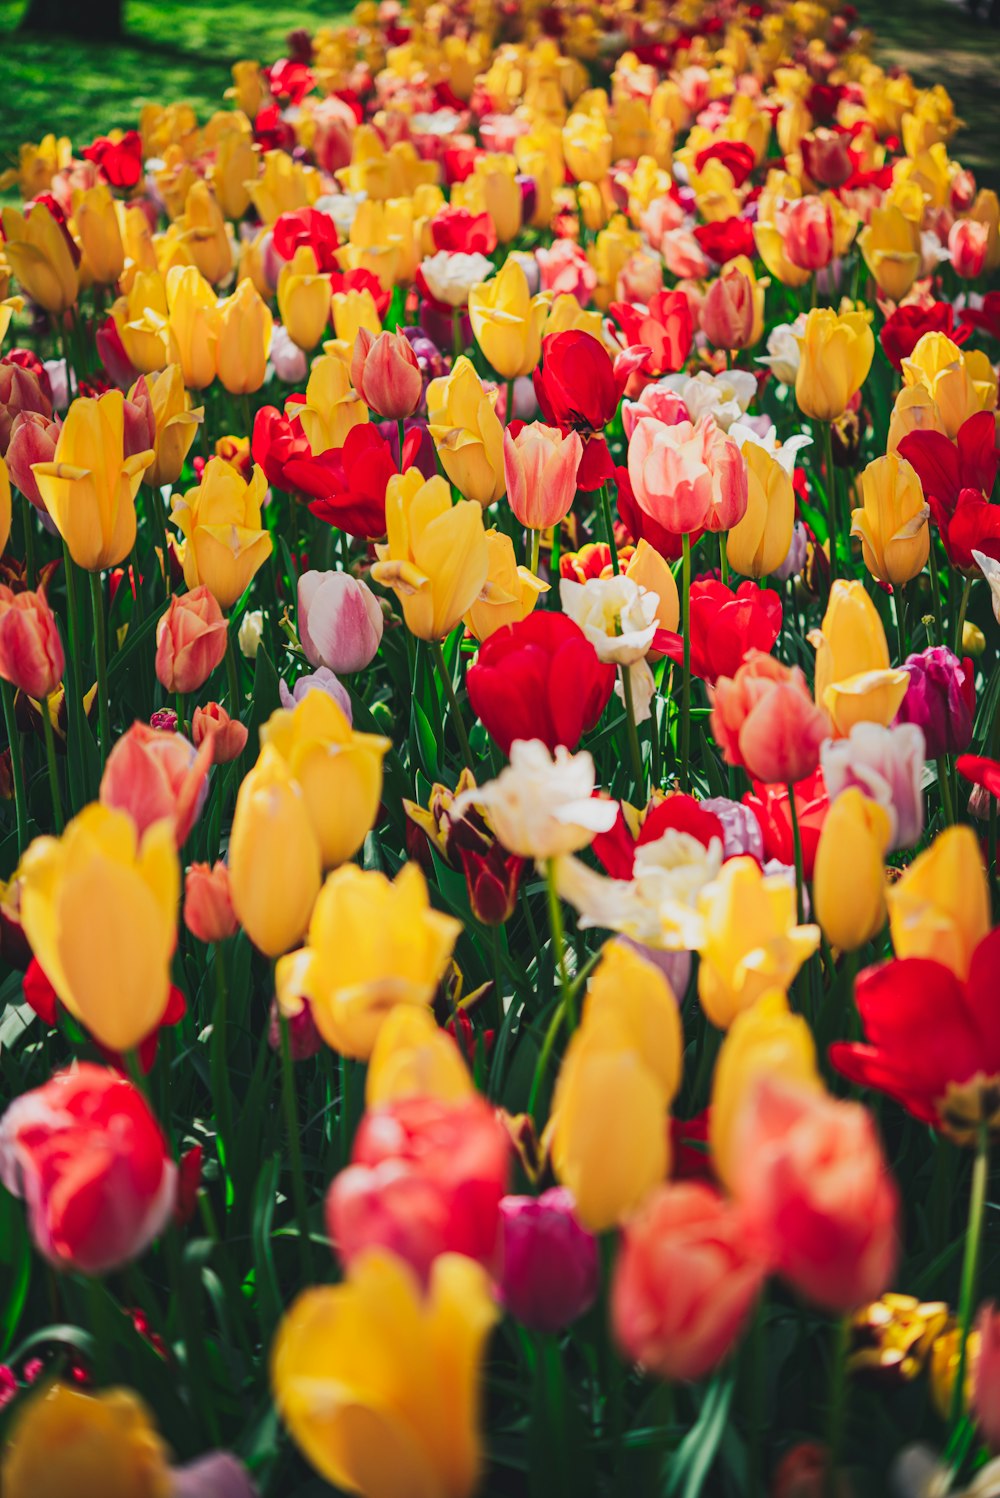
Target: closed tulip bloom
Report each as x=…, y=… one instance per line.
x=340, y=621
x=205, y=234
x=194, y=325
x=224, y=541
x=751, y=940
x=968, y=242
x=99, y=909
x=836, y=352
x=940, y=700
x=274, y=856
x=766, y=1040
x=849, y=881
x=89, y=487
x=814, y=1187
x=235, y=165
x=33, y=439
x=99, y=234
x=887, y=765
x=436, y=558
x=304, y=298
x=728, y=315
x=244, y=339
x=38, y=252
x=175, y=422
x=338, y=769
x=507, y=321
x=413, y=1057
x=208, y=905
x=385, y=373
x=892, y=522
x=685, y=1283
x=765, y=720
x=467, y=433
x=331, y=407
x=586, y=143
x=940, y=907
x=509, y=593
x=190, y=641
x=227, y=736
x=372, y=944
x=890, y=244
x=806, y=227
x=854, y=681
x=21, y=392
x=551, y=1263
x=141, y=321
x=31, y=652
x=759, y=543
x=687, y=477
x=540, y=468
x=405, y=1419
x=94, y=1445
x=152, y=776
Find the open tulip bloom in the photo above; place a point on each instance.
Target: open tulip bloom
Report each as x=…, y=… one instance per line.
x=499, y=582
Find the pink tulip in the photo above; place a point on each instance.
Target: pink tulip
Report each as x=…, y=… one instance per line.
x=687, y=477
x=33, y=438
x=727, y=314
x=190, y=641
x=152, y=775
x=320, y=680
x=551, y=1266
x=20, y=390
x=564, y=268
x=661, y=217
x=140, y=420
x=658, y=401
x=340, y=621
x=385, y=373
x=228, y=736
x=208, y=908
x=806, y=229
x=685, y=1283
x=540, y=467
x=986, y=1377
x=304, y=1039
x=640, y=278
x=31, y=652
x=683, y=255
x=968, y=241
x=764, y=719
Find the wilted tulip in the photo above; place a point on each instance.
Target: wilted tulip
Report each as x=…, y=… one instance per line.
x=340, y=621
x=191, y=641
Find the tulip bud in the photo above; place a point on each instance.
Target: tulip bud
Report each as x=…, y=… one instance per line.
x=340, y=621
x=190, y=641
x=250, y=632
x=174, y=423
x=244, y=332
x=228, y=735
x=940, y=698
x=304, y=1039
x=31, y=652
x=727, y=316
x=385, y=373
x=759, y=543
x=848, y=875
x=153, y=776
x=892, y=522
x=968, y=242
x=33, y=439
x=551, y=1267
x=20, y=390
x=208, y=909
x=304, y=298
x=274, y=857
x=806, y=229
x=540, y=469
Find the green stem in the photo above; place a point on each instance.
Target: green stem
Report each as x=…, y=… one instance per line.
x=401, y=433
x=140, y=611
x=76, y=722
x=800, y=906
x=29, y=543
x=831, y=497
x=17, y=766
x=970, y=1270
x=157, y=513
x=181, y=715
x=838, y=1404
x=101, y=648
x=295, y=1149
x=684, y=767
x=508, y=415
x=724, y=557
x=544, y=1055
x=899, y=609
x=944, y=785
x=635, y=752
x=609, y=527
x=536, y=546
x=962, y=609
x=558, y=937
x=935, y=594
x=50, y=758
x=449, y=687
x=233, y=674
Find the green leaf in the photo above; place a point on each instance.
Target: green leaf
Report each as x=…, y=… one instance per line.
x=696, y=1454
x=15, y=1267
x=269, y=1303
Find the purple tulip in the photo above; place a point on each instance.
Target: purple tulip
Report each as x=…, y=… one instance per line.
x=550, y=1261
x=322, y=680
x=740, y=829
x=887, y=765
x=939, y=699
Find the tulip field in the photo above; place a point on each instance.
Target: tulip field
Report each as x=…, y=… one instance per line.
x=499, y=633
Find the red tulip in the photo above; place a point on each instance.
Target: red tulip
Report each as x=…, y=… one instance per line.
x=615, y=850
x=307, y=226
x=578, y=389
x=31, y=652
x=33, y=439
x=770, y=805
x=462, y=232
x=907, y=325
x=91, y=1162
x=736, y=157
x=664, y=327
x=44, y=1000
x=348, y=484
x=539, y=679
x=724, y=627
x=551, y=1263
x=726, y=238
x=118, y=161
x=979, y=770
x=957, y=478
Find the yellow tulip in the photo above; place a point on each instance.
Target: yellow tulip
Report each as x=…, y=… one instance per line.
x=836, y=352
x=507, y=321
x=283, y=185
x=194, y=323
x=914, y=410
x=274, y=856
x=142, y=320
x=413, y=1057
x=331, y=407
x=244, y=339
x=849, y=876
x=99, y=909
x=37, y=165
x=378, y=1379
x=771, y=249
x=766, y=1040
x=586, y=142
x=89, y=487
x=892, y=521
x=205, y=234
x=339, y=770
x=960, y=383
x=467, y=432
x=435, y=558
x=101, y=1445
x=751, y=941
x=370, y=246
x=248, y=88
x=224, y=541
x=352, y=311
x=372, y=944
x=647, y=568
x=509, y=594
x=759, y=542
x=234, y=168
x=854, y=680
x=986, y=210
x=940, y=908
x=495, y=176
x=609, y=254
x=40, y=257
x=253, y=266
x=304, y=298
x=890, y=244
x=566, y=314
x=176, y=424
x=631, y=988
x=98, y=229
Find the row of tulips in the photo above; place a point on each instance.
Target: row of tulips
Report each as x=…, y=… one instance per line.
x=498, y=814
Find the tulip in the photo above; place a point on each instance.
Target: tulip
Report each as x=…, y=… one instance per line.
x=985, y=1399
x=729, y=317
x=509, y=594
x=751, y=941
x=203, y=232
x=224, y=541
x=194, y=325
x=666, y=329
x=436, y=558
x=21, y=391
x=235, y=165
x=507, y=321
x=764, y=719
x=227, y=736
x=968, y=243
x=101, y=1445
x=685, y=1283
x=759, y=543
x=100, y=236
x=321, y=680
x=304, y=299
x=154, y=776
x=467, y=433
x=145, y=335
x=687, y=477
x=940, y=906
x=890, y=244
x=191, y=639
x=338, y=770
x=99, y=909
x=331, y=408
x=854, y=681
x=340, y=621
x=175, y=423
x=887, y=765
x=725, y=626
x=274, y=856
x=31, y=652
x=39, y=252
x=849, y=877
x=939, y=699
x=33, y=439
x=449, y=276
x=208, y=906
x=836, y=352
x=89, y=487
x=892, y=522
x=244, y=330
x=414, y=1405
x=372, y=944
x=542, y=805
x=766, y=1040
x=540, y=472
x=959, y=384
x=413, y=1057
x=586, y=143
x=385, y=373
x=426, y=1178
x=551, y=1265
